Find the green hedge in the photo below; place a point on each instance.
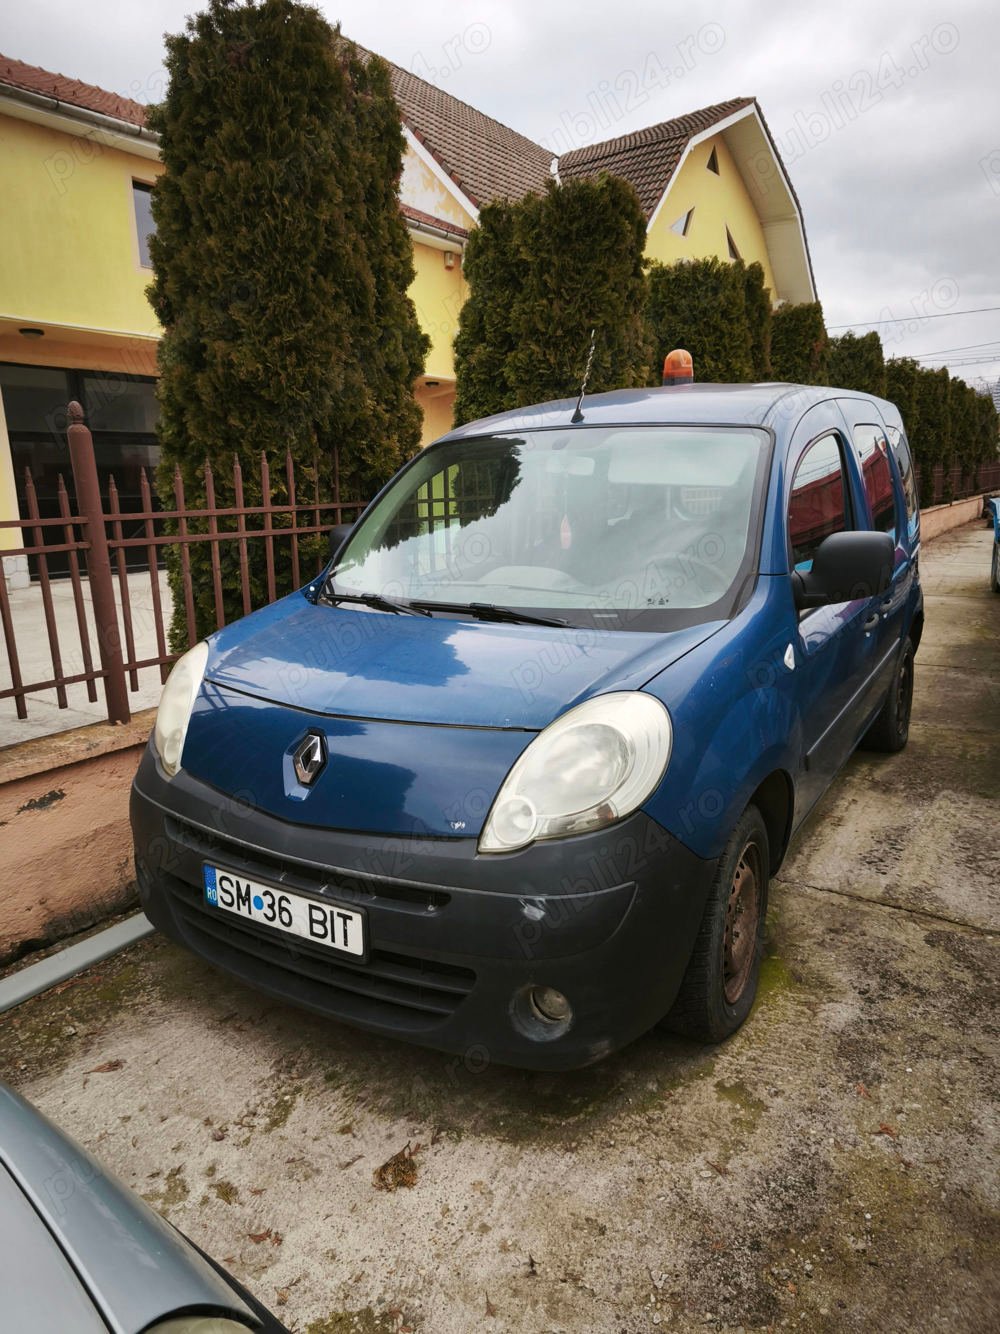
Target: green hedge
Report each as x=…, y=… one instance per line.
x=799, y=344
x=701, y=305
x=857, y=362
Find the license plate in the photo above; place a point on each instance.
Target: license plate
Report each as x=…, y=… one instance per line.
x=331, y=924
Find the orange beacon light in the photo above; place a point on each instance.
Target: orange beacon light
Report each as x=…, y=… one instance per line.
x=678, y=368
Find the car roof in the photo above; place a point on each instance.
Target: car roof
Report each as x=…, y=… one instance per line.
x=739, y=404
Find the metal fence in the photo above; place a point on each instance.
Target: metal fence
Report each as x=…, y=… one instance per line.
x=94, y=546
x=954, y=484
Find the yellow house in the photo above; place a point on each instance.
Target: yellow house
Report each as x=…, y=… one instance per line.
x=711, y=183
x=77, y=166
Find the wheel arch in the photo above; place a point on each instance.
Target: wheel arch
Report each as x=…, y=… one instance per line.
x=774, y=797
x=917, y=628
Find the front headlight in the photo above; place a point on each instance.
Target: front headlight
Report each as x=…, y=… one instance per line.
x=591, y=767
x=176, y=704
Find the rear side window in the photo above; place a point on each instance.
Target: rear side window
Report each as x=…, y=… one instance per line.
x=873, y=455
x=818, y=504
x=905, y=461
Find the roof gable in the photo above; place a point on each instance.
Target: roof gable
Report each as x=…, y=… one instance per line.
x=648, y=158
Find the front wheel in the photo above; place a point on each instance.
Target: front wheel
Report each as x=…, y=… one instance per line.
x=891, y=729
x=721, y=979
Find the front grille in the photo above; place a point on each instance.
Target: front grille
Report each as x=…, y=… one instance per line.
x=381, y=884
x=401, y=990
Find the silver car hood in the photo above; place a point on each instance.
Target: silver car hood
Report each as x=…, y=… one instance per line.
x=107, y=1249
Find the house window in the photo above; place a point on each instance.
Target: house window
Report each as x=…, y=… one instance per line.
x=680, y=227
x=733, y=251
x=142, y=200
x=713, y=162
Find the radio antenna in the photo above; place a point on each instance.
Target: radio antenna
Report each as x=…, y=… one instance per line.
x=578, y=415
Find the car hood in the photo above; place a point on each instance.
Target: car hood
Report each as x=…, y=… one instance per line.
x=354, y=663
x=76, y=1238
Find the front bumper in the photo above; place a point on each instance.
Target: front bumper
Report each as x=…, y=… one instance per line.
x=609, y=919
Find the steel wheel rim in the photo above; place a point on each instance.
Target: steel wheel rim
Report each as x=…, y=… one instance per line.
x=739, y=946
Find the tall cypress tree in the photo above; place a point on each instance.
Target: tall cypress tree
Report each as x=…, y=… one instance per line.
x=581, y=244
x=902, y=375
x=281, y=264
x=799, y=344
x=932, y=439
x=857, y=362
x=543, y=272
x=759, y=313
x=701, y=305
x=494, y=272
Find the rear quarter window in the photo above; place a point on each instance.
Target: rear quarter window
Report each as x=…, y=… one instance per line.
x=904, y=460
x=873, y=456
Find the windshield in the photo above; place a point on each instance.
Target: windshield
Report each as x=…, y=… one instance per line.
x=624, y=527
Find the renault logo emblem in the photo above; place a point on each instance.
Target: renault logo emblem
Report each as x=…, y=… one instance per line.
x=309, y=758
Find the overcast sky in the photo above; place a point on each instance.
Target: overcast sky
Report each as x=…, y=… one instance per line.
x=887, y=116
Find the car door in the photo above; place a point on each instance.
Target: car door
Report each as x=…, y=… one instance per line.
x=830, y=652
x=886, y=508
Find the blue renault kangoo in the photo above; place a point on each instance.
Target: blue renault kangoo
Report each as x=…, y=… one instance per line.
x=514, y=774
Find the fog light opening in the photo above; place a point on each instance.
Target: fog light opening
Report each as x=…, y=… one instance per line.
x=541, y=1013
x=549, y=1005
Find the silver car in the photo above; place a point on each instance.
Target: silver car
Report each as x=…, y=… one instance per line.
x=81, y=1254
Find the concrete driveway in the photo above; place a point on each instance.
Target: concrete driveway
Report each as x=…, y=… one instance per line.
x=833, y=1167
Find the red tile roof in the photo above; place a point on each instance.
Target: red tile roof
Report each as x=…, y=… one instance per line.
x=649, y=157
x=486, y=159
x=35, y=80
x=417, y=215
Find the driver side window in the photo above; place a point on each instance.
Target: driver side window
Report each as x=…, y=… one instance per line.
x=818, y=503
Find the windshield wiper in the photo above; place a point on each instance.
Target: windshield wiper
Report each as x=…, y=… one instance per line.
x=379, y=602
x=489, y=611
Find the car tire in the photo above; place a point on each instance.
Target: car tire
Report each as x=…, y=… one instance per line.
x=720, y=983
x=995, y=568
x=891, y=729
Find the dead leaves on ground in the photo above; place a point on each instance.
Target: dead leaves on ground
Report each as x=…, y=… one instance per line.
x=275, y=1238
x=399, y=1170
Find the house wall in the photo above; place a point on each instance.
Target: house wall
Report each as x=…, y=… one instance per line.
x=437, y=400
x=69, y=252
x=719, y=202
x=438, y=293
x=69, y=263
x=422, y=188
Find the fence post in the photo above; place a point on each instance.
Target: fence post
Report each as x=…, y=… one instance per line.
x=102, y=589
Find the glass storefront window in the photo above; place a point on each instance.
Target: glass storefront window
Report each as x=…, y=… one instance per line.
x=35, y=398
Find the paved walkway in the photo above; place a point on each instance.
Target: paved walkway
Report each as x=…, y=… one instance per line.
x=35, y=657
x=832, y=1167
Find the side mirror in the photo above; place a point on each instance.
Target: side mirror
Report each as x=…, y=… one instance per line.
x=846, y=566
x=339, y=534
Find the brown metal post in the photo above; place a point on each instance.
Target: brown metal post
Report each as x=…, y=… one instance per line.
x=102, y=589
